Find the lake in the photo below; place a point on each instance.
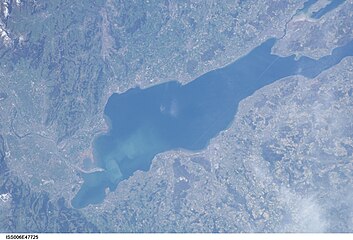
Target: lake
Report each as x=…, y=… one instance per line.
x=145, y=122
x=329, y=7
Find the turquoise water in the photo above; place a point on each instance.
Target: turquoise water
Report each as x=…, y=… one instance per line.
x=145, y=122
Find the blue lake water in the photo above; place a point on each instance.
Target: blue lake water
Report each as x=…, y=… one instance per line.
x=318, y=14
x=307, y=5
x=145, y=122
x=329, y=7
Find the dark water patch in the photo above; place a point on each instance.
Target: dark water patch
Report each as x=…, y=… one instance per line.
x=203, y=162
x=307, y=5
x=238, y=198
x=269, y=152
x=145, y=122
x=180, y=170
x=3, y=96
x=329, y=7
